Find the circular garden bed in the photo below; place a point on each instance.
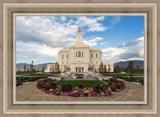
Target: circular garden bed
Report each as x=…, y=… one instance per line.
x=72, y=88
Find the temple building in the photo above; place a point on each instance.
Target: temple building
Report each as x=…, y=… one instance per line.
x=80, y=58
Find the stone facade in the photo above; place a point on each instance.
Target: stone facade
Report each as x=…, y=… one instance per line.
x=79, y=58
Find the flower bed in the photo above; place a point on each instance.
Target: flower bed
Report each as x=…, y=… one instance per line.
x=115, y=85
x=50, y=87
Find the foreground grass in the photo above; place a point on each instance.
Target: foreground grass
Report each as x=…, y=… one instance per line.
x=75, y=83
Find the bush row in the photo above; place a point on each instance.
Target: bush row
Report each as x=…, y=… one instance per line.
x=133, y=79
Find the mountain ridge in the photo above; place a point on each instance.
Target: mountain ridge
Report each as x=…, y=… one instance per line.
x=140, y=63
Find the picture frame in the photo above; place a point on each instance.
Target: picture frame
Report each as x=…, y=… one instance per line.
x=9, y=11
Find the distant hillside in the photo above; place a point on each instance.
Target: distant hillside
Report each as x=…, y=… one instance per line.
x=125, y=63
x=20, y=66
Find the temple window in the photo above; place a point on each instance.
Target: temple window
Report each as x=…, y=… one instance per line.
x=96, y=55
x=79, y=54
x=62, y=56
x=91, y=55
x=67, y=55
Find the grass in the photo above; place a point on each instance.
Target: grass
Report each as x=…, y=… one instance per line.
x=34, y=74
x=75, y=83
x=124, y=74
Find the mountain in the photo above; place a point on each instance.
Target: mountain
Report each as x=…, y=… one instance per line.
x=125, y=63
x=20, y=66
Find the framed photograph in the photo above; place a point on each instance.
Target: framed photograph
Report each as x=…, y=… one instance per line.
x=80, y=58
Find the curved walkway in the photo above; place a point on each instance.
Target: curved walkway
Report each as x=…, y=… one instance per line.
x=29, y=92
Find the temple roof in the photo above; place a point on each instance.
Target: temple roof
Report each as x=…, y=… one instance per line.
x=79, y=30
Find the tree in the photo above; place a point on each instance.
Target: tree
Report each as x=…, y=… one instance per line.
x=25, y=68
x=38, y=69
x=57, y=67
x=105, y=68
x=109, y=68
x=43, y=68
x=117, y=69
x=31, y=68
x=101, y=67
x=130, y=68
x=137, y=69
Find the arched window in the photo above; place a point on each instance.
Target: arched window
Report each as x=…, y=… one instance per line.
x=76, y=54
x=82, y=54
x=62, y=56
x=96, y=55
x=91, y=55
x=79, y=54
x=67, y=55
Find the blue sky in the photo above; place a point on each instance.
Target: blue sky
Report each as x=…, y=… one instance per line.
x=39, y=38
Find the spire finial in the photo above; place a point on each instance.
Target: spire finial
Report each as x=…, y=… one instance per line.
x=79, y=30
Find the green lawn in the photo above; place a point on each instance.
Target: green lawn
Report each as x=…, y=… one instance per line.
x=34, y=74
x=86, y=83
x=123, y=74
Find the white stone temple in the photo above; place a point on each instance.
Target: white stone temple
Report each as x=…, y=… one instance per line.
x=80, y=58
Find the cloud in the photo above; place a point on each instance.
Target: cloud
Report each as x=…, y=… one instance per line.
x=93, y=42
x=133, y=50
x=33, y=50
x=102, y=43
x=63, y=18
x=91, y=23
x=42, y=30
x=115, y=19
x=43, y=36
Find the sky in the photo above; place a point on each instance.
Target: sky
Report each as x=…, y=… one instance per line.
x=39, y=38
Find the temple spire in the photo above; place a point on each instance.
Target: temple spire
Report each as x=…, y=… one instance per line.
x=79, y=36
x=79, y=31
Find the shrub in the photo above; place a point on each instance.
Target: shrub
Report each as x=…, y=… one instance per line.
x=19, y=82
x=41, y=84
x=53, y=85
x=109, y=82
x=80, y=86
x=97, y=89
x=113, y=87
x=47, y=87
x=113, y=80
x=103, y=89
x=66, y=88
x=119, y=84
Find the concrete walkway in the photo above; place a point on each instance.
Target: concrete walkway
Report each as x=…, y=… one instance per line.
x=29, y=92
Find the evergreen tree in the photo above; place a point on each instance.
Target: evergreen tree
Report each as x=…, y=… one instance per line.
x=25, y=68
x=130, y=68
x=109, y=68
x=31, y=68
x=101, y=67
x=117, y=69
x=43, y=68
x=105, y=69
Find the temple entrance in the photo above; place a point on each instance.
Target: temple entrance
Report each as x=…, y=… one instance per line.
x=79, y=69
